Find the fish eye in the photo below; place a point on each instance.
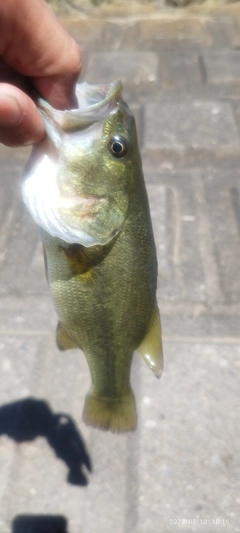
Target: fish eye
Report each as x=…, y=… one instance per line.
x=117, y=147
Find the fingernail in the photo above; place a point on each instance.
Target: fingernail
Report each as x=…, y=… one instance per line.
x=10, y=112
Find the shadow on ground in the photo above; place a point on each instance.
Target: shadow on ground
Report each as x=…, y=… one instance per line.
x=25, y=420
x=39, y=524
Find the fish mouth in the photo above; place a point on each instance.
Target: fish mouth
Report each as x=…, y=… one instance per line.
x=94, y=103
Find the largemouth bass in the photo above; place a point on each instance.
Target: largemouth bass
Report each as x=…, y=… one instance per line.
x=84, y=187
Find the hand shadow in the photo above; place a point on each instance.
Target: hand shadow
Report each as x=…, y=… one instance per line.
x=25, y=420
x=39, y=524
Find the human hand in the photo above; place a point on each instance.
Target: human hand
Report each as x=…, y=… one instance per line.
x=34, y=50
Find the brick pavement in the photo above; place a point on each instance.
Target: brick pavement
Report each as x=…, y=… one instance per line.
x=181, y=77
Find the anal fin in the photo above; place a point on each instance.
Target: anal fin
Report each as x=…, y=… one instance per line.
x=63, y=340
x=151, y=346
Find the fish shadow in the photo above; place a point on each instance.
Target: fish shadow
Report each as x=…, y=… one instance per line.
x=25, y=420
x=39, y=524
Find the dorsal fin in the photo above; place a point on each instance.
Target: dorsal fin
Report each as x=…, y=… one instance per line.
x=151, y=346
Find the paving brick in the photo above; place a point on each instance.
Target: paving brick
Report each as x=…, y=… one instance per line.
x=179, y=70
x=6, y=458
x=27, y=274
x=119, y=36
x=17, y=362
x=86, y=32
x=234, y=37
x=195, y=125
x=182, y=322
x=223, y=29
x=189, y=28
x=184, y=222
x=226, y=241
x=123, y=10
x=138, y=112
x=22, y=316
x=222, y=67
x=203, y=284
x=189, y=425
x=19, y=237
x=235, y=197
x=110, y=473
x=175, y=229
x=135, y=68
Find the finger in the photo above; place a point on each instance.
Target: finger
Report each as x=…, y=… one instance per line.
x=20, y=122
x=41, y=49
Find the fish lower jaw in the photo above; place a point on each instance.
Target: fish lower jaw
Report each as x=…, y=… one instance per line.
x=107, y=413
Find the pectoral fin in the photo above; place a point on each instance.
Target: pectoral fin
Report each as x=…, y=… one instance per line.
x=151, y=347
x=63, y=340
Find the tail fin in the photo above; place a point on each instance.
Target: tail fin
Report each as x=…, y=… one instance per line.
x=114, y=414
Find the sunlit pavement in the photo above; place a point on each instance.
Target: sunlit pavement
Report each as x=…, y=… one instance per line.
x=180, y=471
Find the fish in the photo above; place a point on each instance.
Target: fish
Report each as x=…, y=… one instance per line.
x=84, y=187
